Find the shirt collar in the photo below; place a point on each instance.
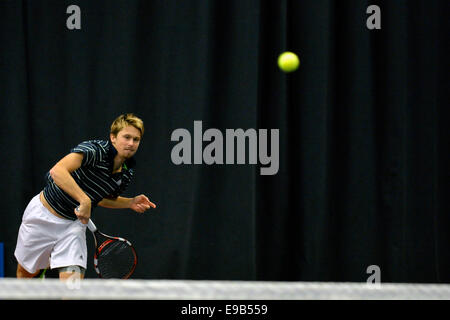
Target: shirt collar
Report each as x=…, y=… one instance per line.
x=129, y=163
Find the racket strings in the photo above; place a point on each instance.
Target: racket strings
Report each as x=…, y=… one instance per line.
x=116, y=260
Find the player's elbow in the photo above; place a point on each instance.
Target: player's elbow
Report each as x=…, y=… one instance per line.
x=56, y=173
x=52, y=173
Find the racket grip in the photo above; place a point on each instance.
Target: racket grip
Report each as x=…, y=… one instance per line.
x=91, y=226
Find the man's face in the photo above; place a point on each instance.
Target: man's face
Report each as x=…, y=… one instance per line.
x=127, y=141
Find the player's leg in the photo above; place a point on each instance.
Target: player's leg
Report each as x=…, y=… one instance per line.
x=21, y=273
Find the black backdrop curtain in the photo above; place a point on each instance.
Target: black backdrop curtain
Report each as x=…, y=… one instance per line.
x=363, y=149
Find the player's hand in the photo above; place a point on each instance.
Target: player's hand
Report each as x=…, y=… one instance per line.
x=83, y=212
x=141, y=204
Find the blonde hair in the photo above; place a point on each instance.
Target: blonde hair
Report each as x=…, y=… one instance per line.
x=124, y=120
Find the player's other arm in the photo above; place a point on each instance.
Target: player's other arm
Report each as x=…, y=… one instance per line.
x=61, y=175
x=139, y=203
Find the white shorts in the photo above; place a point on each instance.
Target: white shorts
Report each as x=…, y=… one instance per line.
x=48, y=241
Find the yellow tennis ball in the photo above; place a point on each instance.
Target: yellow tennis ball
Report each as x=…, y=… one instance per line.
x=288, y=61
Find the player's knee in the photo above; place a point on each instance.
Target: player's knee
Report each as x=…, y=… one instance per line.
x=22, y=273
x=71, y=271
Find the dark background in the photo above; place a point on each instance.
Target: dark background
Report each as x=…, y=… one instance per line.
x=364, y=144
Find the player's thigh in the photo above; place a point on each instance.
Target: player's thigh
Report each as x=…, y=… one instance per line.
x=70, y=249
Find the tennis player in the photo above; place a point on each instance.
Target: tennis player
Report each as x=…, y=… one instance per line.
x=53, y=229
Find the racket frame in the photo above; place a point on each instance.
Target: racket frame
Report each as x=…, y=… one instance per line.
x=109, y=239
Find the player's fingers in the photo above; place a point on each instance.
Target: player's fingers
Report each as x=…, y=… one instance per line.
x=151, y=204
x=147, y=201
x=84, y=218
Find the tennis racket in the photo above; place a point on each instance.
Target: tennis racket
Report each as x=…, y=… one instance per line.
x=114, y=257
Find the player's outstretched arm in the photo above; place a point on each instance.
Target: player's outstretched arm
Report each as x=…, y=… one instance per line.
x=139, y=203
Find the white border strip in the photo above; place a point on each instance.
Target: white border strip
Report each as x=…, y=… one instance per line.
x=99, y=289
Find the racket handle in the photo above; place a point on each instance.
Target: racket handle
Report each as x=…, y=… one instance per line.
x=91, y=226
